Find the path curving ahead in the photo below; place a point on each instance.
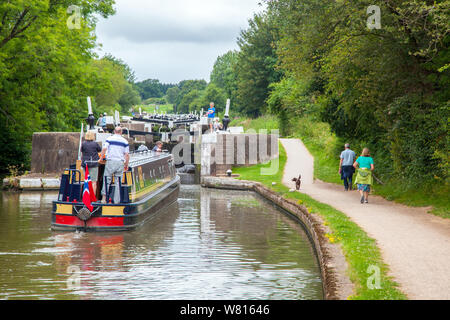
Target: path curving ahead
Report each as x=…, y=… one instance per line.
x=414, y=244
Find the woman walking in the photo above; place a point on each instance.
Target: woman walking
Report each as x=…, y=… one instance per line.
x=364, y=166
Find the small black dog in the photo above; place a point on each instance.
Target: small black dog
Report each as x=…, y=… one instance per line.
x=298, y=182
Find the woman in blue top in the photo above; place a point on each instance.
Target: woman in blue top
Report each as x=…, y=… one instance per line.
x=364, y=165
x=211, y=115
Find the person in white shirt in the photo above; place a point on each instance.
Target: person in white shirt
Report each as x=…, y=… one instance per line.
x=117, y=150
x=346, y=169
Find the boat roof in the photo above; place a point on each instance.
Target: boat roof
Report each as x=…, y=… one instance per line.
x=138, y=158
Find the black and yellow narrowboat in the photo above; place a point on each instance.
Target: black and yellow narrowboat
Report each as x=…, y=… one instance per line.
x=148, y=186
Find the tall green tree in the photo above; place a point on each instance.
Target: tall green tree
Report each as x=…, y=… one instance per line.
x=172, y=94
x=256, y=64
x=45, y=71
x=186, y=87
x=152, y=88
x=223, y=74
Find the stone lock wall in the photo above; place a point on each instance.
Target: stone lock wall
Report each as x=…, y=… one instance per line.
x=223, y=151
x=52, y=152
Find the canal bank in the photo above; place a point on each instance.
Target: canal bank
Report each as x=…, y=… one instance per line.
x=333, y=266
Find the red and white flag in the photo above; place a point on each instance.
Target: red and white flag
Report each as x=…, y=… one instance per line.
x=88, y=191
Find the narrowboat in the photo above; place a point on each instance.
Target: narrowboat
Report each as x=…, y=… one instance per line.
x=146, y=188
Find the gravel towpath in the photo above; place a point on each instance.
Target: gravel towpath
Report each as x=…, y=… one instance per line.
x=414, y=244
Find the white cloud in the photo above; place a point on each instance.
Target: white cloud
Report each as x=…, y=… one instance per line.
x=173, y=40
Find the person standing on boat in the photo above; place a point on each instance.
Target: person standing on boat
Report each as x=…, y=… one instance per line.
x=117, y=150
x=158, y=147
x=346, y=169
x=90, y=150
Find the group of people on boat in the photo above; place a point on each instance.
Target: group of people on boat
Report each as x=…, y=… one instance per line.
x=116, y=152
x=363, y=166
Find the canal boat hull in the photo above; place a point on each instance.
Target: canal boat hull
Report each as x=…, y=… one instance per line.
x=149, y=184
x=112, y=217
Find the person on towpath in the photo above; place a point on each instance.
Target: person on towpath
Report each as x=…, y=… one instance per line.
x=346, y=169
x=364, y=179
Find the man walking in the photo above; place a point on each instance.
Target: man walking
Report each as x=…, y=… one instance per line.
x=346, y=169
x=118, y=156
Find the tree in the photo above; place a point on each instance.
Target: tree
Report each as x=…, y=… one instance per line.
x=185, y=103
x=255, y=67
x=150, y=88
x=186, y=87
x=45, y=70
x=172, y=94
x=110, y=79
x=223, y=74
x=213, y=93
x=21, y=17
x=128, y=73
x=385, y=86
x=129, y=98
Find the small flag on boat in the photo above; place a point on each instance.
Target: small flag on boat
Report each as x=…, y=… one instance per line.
x=88, y=191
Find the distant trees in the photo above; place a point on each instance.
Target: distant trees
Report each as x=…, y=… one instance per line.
x=152, y=88
x=172, y=94
x=194, y=95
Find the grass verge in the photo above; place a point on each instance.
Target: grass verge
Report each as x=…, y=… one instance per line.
x=359, y=249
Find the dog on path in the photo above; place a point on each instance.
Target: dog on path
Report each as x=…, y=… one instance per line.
x=298, y=182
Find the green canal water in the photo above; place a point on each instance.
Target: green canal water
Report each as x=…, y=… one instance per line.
x=211, y=244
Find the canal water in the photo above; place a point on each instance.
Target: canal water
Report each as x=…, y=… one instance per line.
x=211, y=244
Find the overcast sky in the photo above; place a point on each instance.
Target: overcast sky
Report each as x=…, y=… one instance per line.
x=173, y=40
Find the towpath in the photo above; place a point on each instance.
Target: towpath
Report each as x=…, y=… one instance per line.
x=414, y=244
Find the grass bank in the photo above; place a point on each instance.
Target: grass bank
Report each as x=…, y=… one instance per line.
x=359, y=249
x=262, y=123
x=326, y=147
